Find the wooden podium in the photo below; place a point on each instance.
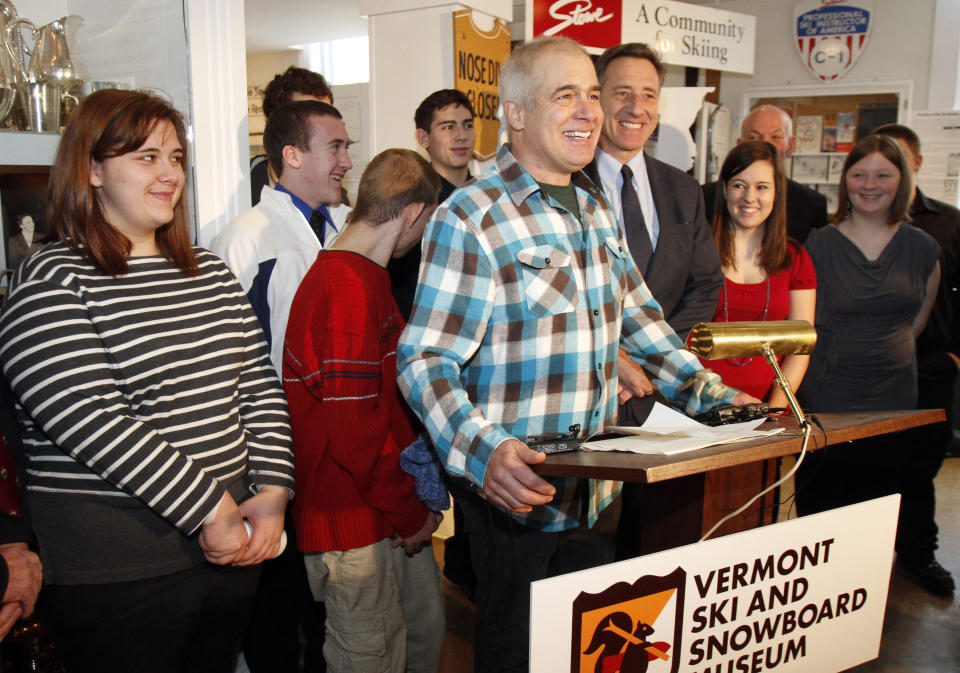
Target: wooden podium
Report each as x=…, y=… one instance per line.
x=674, y=498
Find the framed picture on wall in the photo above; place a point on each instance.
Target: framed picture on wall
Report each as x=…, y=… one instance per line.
x=22, y=204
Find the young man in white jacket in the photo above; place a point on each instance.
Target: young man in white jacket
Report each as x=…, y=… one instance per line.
x=272, y=245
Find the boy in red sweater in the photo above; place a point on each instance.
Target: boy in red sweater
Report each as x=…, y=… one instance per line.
x=364, y=532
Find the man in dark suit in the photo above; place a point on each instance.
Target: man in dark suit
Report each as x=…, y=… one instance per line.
x=806, y=208
x=662, y=217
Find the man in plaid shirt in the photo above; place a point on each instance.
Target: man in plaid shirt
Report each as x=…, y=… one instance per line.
x=525, y=294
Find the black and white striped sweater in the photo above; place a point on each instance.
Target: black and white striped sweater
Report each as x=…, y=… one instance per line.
x=143, y=395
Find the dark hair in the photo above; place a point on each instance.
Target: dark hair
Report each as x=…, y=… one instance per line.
x=629, y=50
x=106, y=124
x=294, y=80
x=889, y=149
x=393, y=180
x=900, y=132
x=774, y=255
x=290, y=125
x=423, y=117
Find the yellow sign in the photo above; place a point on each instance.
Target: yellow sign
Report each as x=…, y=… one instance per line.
x=478, y=56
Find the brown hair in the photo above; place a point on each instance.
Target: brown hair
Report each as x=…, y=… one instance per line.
x=423, y=117
x=293, y=80
x=290, y=125
x=774, y=255
x=393, y=180
x=888, y=148
x=107, y=124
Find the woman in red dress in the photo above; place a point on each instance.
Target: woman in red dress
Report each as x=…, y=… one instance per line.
x=765, y=275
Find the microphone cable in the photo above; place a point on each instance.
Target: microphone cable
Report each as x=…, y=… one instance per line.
x=807, y=431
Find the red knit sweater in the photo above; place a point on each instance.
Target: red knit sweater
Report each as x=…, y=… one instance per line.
x=349, y=421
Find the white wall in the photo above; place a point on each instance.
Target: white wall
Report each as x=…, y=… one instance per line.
x=352, y=102
x=945, y=58
x=41, y=11
x=218, y=87
x=898, y=48
x=411, y=56
x=138, y=43
x=404, y=69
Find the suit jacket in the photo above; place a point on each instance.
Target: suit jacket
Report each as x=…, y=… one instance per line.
x=684, y=274
x=806, y=208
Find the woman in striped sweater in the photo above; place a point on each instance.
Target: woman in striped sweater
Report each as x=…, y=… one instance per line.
x=153, y=421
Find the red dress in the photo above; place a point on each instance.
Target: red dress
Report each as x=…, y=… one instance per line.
x=746, y=301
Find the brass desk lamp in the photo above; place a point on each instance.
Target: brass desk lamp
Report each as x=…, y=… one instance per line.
x=719, y=340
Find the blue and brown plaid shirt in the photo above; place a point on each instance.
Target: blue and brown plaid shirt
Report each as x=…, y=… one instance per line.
x=518, y=316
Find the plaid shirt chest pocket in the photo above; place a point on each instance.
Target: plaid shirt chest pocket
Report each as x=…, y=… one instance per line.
x=615, y=262
x=548, y=281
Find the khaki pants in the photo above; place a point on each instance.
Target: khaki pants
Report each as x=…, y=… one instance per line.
x=384, y=609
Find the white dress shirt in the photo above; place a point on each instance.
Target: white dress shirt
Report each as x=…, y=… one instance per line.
x=612, y=182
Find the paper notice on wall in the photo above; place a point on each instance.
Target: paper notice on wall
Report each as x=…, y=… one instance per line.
x=809, y=128
x=940, y=146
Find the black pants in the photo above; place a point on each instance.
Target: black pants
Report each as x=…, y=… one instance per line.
x=845, y=474
x=185, y=622
x=636, y=533
x=904, y=462
x=283, y=604
x=922, y=456
x=507, y=557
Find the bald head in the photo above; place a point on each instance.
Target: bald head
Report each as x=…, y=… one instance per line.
x=771, y=124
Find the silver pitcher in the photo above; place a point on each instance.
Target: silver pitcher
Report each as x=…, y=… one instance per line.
x=41, y=106
x=43, y=83
x=9, y=66
x=49, y=59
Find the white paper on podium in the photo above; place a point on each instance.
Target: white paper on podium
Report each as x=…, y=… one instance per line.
x=666, y=432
